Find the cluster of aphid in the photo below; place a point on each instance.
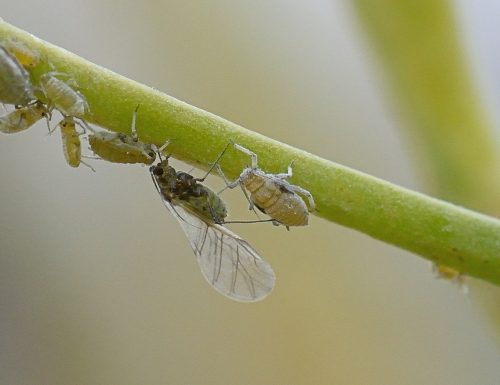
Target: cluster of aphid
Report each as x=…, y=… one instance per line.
x=227, y=261
x=17, y=89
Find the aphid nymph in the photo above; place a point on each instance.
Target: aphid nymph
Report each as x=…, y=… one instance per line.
x=448, y=273
x=27, y=57
x=122, y=148
x=23, y=118
x=71, y=141
x=62, y=96
x=226, y=260
x=15, y=83
x=272, y=194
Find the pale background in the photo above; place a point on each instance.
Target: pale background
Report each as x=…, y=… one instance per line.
x=98, y=284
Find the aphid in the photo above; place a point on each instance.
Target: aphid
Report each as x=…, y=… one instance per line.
x=227, y=261
x=122, y=148
x=61, y=96
x=23, y=118
x=15, y=83
x=27, y=57
x=272, y=194
x=450, y=274
x=71, y=141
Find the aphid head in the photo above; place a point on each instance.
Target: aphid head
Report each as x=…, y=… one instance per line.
x=162, y=169
x=157, y=170
x=246, y=173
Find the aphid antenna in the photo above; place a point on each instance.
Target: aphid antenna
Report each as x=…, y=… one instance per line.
x=159, y=151
x=163, y=147
x=214, y=164
x=51, y=130
x=91, y=157
x=132, y=126
x=82, y=123
x=47, y=120
x=58, y=74
x=86, y=164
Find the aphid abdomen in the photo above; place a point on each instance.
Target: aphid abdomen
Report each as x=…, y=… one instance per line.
x=71, y=142
x=205, y=203
x=15, y=84
x=273, y=198
x=289, y=209
x=68, y=101
x=217, y=207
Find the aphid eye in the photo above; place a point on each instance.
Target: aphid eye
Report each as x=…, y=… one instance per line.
x=151, y=154
x=158, y=171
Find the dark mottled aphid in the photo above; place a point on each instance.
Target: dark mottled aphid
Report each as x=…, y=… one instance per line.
x=226, y=260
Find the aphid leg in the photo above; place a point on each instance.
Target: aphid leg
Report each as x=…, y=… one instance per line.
x=253, y=155
x=232, y=185
x=286, y=175
x=228, y=183
x=303, y=191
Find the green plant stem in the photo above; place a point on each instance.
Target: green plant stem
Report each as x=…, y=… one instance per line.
x=436, y=230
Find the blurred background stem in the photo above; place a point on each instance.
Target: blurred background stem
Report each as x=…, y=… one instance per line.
x=448, y=130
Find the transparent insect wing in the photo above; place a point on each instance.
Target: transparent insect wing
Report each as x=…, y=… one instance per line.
x=22, y=118
x=15, y=84
x=61, y=96
x=227, y=261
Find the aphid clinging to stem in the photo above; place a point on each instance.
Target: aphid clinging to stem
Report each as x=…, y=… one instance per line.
x=62, y=96
x=122, y=148
x=23, y=118
x=226, y=260
x=15, y=83
x=271, y=193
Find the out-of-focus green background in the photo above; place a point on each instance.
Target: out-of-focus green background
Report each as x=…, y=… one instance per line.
x=98, y=284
